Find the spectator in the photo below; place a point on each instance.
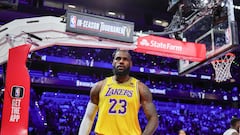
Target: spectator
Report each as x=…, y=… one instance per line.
x=234, y=129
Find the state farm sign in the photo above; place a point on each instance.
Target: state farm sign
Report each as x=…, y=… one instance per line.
x=161, y=45
x=171, y=48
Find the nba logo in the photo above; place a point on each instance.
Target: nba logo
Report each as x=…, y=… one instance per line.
x=73, y=21
x=17, y=92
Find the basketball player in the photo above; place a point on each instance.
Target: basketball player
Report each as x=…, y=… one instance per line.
x=235, y=126
x=117, y=100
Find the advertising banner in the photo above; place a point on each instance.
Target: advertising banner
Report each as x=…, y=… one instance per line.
x=17, y=93
x=171, y=48
x=100, y=26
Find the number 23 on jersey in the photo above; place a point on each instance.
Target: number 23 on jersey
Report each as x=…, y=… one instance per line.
x=122, y=109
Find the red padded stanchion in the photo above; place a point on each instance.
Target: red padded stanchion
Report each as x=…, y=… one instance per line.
x=17, y=93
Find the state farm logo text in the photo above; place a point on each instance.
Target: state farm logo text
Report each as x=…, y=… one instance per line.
x=160, y=45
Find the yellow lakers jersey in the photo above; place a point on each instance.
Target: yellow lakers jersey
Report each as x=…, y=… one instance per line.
x=119, y=104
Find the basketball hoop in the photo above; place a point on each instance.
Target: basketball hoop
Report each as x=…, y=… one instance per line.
x=222, y=67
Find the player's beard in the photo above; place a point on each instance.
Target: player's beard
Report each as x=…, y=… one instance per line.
x=121, y=73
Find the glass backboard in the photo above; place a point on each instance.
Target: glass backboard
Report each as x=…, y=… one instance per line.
x=217, y=30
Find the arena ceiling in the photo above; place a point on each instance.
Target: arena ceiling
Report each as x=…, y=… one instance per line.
x=139, y=11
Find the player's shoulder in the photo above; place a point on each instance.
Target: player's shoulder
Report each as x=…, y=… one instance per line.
x=230, y=131
x=144, y=92
x=100, y=83
x=141, y=85
x=96, y=88
x=143, y=88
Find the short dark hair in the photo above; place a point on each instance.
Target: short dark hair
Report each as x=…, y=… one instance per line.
x=118, y=50
x=234, y=120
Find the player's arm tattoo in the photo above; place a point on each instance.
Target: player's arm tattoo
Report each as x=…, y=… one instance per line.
x=149, y=109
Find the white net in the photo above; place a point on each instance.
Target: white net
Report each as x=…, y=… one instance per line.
x=222, y=67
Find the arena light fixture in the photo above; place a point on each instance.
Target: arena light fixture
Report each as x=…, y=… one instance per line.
x=160, y=22
x=115, y=14
x=71, y=6
x=111, y=13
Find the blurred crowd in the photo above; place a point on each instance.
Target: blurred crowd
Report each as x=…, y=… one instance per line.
x=62, y=114
x=105, y=56
x=151, y=82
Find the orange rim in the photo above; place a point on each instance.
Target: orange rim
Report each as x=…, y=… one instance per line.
x=220, y=61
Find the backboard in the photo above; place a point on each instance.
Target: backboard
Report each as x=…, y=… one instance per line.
x=218, y=30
